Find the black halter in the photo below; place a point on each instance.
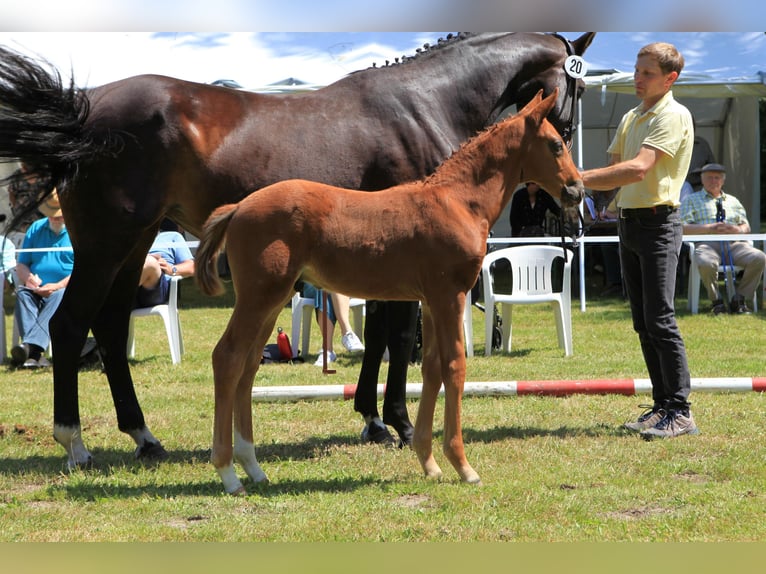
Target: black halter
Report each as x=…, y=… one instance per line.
x=567, y=133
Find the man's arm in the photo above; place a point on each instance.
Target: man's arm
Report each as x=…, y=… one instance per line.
x=620, y=173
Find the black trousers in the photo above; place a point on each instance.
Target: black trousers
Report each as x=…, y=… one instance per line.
x=387, y=324
x=650, y=244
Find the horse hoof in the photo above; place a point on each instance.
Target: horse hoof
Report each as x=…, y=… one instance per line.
x=471, y=477
x=86, y=464
x=239, y=492
x=151, y=452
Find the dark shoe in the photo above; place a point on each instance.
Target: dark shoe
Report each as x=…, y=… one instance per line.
x=377, y=433
x=650, y=417
x=19, y=354
x=674, y=423
x=718, y=307
x=738, y=305
x=31, y=364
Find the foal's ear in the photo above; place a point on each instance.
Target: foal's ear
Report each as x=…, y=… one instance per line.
x=532, y=104
x=539, y=108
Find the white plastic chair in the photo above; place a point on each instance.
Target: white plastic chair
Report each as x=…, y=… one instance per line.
x=303, y=316
x=170, y=316
x=695, y=281
x=531, y=266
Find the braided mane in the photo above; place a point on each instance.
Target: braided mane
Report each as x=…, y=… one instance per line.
x=426, y=49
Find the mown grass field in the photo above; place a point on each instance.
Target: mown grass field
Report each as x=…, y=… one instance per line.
x=553, y=469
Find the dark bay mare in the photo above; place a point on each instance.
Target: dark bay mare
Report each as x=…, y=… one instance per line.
x=430, y=235
x=127, y=154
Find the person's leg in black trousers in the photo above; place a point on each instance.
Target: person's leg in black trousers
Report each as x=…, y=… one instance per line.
x=387, y=324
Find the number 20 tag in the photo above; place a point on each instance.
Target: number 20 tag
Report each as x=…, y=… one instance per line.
x=575, y=67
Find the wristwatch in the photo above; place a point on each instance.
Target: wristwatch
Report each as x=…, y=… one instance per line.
x=174, y=270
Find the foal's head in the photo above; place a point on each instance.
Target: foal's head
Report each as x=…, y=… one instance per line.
x=547, y=160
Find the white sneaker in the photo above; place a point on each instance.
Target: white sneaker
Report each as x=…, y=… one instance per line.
x=330, y=358
x=352, y=342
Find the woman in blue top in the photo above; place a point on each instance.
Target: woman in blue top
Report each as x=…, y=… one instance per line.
x=43, y=275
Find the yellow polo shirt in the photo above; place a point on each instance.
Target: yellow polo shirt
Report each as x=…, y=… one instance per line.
x=667, y=126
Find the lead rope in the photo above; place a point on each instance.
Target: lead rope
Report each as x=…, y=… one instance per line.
x=580, y=231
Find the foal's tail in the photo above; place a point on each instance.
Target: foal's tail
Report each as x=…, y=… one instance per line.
x=42, y=123
x=213, y=235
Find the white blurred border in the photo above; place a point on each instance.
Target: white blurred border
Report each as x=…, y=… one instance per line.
x=386, y=15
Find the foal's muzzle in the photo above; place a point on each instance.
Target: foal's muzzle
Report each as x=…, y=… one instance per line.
x=572, y=193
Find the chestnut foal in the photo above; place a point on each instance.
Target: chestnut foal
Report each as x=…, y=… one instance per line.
x=418, y=241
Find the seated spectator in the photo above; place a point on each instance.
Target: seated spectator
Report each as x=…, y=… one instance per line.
x=337, y=312
x=43, y=275
x=169, y=256
x=23, y=191
x=610, y=251
x=529, y=206
x=712, y=210
x=8, y=259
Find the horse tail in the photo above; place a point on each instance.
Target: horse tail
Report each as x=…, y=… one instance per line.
x=42, y=123
x=213, y=235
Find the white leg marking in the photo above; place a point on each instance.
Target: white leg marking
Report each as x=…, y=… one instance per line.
x=244, y=454
x=71, y=439
x=143, y=436
x=231, y=483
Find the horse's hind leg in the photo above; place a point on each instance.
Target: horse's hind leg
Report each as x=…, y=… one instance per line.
x=69, y=328
x=244, y=447
x=236, y=358
x=110, y=328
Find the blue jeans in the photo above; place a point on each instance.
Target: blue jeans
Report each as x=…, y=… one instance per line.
x=650, y=244
x=33, y=314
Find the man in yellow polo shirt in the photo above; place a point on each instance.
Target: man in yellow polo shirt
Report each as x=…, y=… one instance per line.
x=649, y=159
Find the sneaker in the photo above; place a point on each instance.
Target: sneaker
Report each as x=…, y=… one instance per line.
x=377, y=433
x=331, y=356
x=718, y=307
x=738, y=305
x=19, y=354
x=650, y=417
x=351, y=342
x=674, y=423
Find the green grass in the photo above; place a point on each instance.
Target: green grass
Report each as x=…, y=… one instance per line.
x=553, y=469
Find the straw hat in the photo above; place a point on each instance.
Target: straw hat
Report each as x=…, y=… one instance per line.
x=51, y=207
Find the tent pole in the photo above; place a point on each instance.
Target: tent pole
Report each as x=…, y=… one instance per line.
x=581, y=244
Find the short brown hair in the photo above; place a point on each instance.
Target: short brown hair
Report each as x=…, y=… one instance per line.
x=666, y=55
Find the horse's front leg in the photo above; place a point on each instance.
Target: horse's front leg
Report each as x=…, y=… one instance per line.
x=422, y=439
x=449, y=332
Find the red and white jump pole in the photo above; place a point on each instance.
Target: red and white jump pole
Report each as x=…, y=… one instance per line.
x=510, y=388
